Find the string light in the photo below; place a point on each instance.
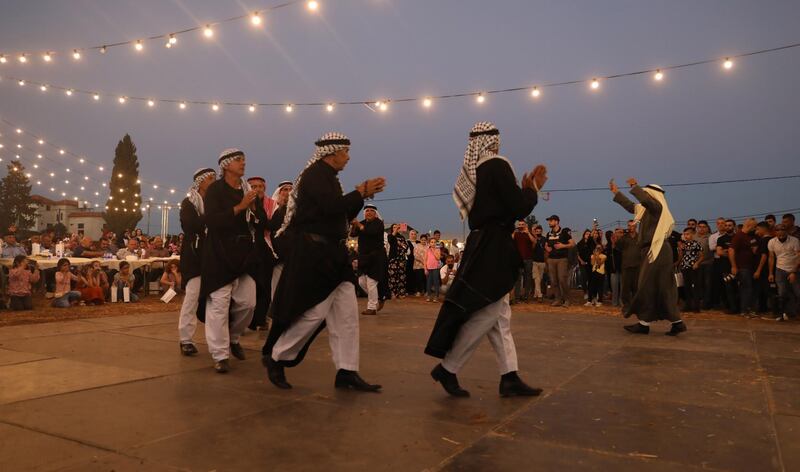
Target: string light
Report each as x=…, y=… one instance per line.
x=47, y=57
x=427, y=102
x=659, y=76
x=208, y=32
x=138, y=45
x=122, y=100
x=151, y=103
x=76, y=54
x=3, y=59
x=23, y=59
x=480, y=98
x=595, y=84
x=535, y=92
x=103, y=50
x=255, y=19
x=312, y=5
x=329, y=107
x=96, y=97
x=252, y=108
x=289, y=108
x=728, y=64
x=384, y=106
x=215, y=107
x=182, y=105
x=43, y=88
x=21, y=83
x=68, y=92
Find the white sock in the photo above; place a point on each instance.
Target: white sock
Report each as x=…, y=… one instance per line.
x=644, y=323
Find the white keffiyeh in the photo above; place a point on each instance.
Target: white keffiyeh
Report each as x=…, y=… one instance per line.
x=328, y=144
x=194, y=193
x=484, y=141
x=666, y=222
x=276, y=194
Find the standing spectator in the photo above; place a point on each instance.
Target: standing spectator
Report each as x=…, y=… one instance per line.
x=771, y=221
x=692, y=223
x=411, y=243
x=23, y=273
x=524, y=241
x=690, y=257
x=743, y=264
x=760, y=276
x=559, y=242
x=614, y=265
x=125, y=278
x=398, y=257
x=631, y=261
x=704, y=271
x=729, y=296
x=432, y=255
x=447, y=273
x=597, y=275
x=715, y=289
x=791, y=229
x=65, y=297
x=585, y=250
x=420, y=273
x=539, y=264
x=784, y=258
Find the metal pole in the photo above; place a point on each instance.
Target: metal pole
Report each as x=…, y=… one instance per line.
x=148, y=220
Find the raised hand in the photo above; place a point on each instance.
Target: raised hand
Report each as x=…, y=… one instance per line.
x=372, y=186
x=539, y=176
x=613, y=187
x=632, y=182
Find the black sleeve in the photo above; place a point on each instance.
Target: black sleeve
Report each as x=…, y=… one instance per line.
x=327, y=197
x=624, y=202
x=219, y=213
x=261, y=219
x=650, y=203
x=191, y=222
x=373, y=227
x=520, y=201
x=275, y=223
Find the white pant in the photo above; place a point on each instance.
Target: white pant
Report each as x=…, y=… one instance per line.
x=371, y=287
x=340, y=312
x=187, y=323
x=493, y=321
x=229, y=310
x=276, y=276
x=538, y=274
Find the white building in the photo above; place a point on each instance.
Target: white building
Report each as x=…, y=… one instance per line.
x=75, y=217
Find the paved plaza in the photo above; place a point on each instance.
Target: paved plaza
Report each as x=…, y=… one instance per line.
x=114, y=394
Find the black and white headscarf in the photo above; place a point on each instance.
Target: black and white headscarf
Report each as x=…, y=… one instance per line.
x=484, y=139
x=194, y=193
x=328, y=144
x=278, y=189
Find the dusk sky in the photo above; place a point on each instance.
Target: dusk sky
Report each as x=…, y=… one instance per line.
x=700, y=123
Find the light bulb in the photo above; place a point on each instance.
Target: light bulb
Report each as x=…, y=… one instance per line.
x=68, y=92
x=215, y=107
x=103, y=50
x=155, y=186
x=3, y=59
x=81, y=160
x=535, y=92
x=61, y=151
x=119, y=176
x=151, y=103
x=172, y=190
x=312, y=5
x=289, y=108
x=427, y=102
x=100, y=168
x=23, y=59
x=138, y=46
x=41, y=141
x=255, y=18
x=595, y=84
x=39, y=156
x=19, y=130
x=168, y=45
x=47, y=57
x=21, y=83
x=76, y=54
x=329, y=107
x=252, y=108
x=182, y=105
x=208, y=32
x=480, y=98
x=85, y=177
x=96, y=97
x=172, y=39
x=43, y=88
x=728, y=64
x=19, y=146
x=121, y=100
x=384, y=106
x=658, y=76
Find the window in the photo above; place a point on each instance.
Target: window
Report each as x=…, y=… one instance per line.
x=80, y=226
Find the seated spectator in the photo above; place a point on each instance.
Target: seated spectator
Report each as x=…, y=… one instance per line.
x=131, y=250
x=89, y=286
x=125, y=278
x=102, y=279
x=157, y=248
x=65, y=297
x=12, y=248
x=34, y=239
x=107, y=248
x=171, y=279
x=597, y=276
x=448, y=273
x=87, y=249
x=47, y=243
x=23, y=273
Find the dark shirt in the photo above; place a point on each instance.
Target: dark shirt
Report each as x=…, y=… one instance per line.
x=585, y=249
x=370, y=239
x=724, y=242
x=631, y=252
x=524, y=245
x=498, y=198
x=321, y=208
x=538, y=250
x=742, y=245
x=561, y=236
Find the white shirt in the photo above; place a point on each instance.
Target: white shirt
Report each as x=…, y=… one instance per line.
x=443, y=272
x=786, y=253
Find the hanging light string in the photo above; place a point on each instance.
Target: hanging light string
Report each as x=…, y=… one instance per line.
x=596, y=189
x=382, y=104
x=170, y=39
x=82, y=160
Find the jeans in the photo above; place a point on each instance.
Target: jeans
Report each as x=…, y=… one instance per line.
x=745, y=277
x=704, y=283
x=522, y=289
x=559, y=277
x=691, y=289
x=615, y=279
x=434, y=281
x=65, y=301
x=538, y=275
x=596, y=280
x=787, y=290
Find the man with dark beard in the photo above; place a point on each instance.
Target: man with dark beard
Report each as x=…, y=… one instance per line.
x=317, y=286
x=477, y=304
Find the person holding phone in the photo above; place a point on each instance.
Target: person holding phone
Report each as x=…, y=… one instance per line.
x=22, y=274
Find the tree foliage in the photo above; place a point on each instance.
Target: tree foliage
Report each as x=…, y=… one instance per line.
x=16, y=205
x=125, y=197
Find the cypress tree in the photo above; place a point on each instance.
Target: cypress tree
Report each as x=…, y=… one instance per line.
x=125, y=194
x=16, y=205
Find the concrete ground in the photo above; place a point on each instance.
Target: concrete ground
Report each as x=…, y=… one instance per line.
x=114, y=394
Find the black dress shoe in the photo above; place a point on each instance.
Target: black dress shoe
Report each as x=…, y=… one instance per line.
x=347, y=379
x=188, y=349
x=275, y=373
x=513, y=386
x=222, y=367
x=449, y=381
x=238, y=351
x=637, y=328
x=676, y=329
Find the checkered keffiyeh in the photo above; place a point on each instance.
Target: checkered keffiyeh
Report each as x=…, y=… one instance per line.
x=328, y=144
x=194, y=194
x=484, y=138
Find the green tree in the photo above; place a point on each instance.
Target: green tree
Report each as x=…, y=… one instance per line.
x=16, y=205
x=125, y=193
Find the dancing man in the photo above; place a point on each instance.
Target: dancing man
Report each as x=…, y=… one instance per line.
x=265, y=259
x=193, y=224
x=477, y=304
x=281, y=198
x=656, y=295
x=235, y=219
x=371, y=256
x=317, y=286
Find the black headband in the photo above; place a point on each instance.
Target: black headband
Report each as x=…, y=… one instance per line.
x=653, y=187
x=488, y=132
x=203, y=171
x=332, y=142
x=227, y=156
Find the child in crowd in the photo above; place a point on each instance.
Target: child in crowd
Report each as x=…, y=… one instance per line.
x=597, y=276
x=432, y=258
x=125, y=278
x=65, y=297
x=102, y=279
x=20, y=278
x=171, y=279
x=89, y=286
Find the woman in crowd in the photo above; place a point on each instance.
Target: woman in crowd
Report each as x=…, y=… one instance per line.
x=420, y=249
x=171, y=279
x=398, y=250
x=65, y=297
x=89, y=286
x=597, y=275
x=20, y=278
x=585, y=249
x=432, y=265
x=125, y=278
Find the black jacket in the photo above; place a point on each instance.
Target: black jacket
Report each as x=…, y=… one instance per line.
x=193, y=226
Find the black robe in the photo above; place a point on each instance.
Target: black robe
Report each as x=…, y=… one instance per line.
x=230, y=249
x=314, y=251
x=193, y=226
x=273, y=225
x=490, y=265
x=263, y=277
x=371, y=251
x=656, y=295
